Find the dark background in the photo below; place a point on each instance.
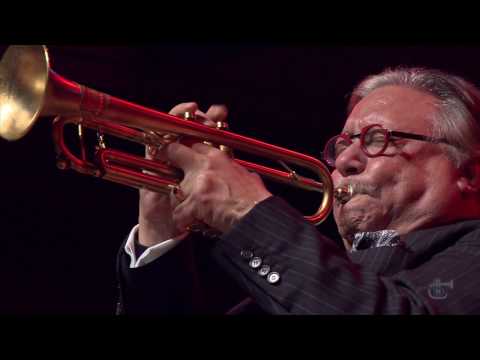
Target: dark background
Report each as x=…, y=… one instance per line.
x=61, y=231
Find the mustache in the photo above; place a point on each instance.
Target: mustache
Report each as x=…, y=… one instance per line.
x=360, y=187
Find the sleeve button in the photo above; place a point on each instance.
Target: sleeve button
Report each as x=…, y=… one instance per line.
x=264, y=270
x=255, y=262
x=273, y=277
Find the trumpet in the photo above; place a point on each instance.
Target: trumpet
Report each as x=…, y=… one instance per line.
x=30, y=89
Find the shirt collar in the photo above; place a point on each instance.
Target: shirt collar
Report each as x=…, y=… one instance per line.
x=374, y=239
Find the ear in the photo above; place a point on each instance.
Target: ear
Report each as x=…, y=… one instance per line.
x=469, y=179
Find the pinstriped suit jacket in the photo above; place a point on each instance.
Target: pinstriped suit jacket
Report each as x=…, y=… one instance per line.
x=433, y=271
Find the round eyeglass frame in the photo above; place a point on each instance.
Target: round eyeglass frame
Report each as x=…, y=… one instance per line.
x=388, y=134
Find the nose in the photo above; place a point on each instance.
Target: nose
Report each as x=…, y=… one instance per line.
x=351, y=161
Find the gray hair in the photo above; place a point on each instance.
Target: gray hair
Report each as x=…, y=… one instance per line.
x=458, y=118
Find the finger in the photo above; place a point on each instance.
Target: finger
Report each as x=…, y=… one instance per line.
x=204, y=119
x=217, y=113
x=153, y=152
x=182, y=108
x=151, y=197
x=256, y=176
x=184, y=215
x=183, y=157
x=176, y=197
x=204, y=149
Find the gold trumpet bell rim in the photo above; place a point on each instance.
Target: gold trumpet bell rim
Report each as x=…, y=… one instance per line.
x=24, y=73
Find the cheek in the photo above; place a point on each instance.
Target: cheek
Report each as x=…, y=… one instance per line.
x=377, y=170
x=438, y=179
x=382, y=170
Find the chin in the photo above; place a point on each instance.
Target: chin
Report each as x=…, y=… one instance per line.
x=353, y=218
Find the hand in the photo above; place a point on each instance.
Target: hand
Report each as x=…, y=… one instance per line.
x=216, y=190
x=155, y=209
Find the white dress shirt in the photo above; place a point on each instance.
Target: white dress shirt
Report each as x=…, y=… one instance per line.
x=153, y=252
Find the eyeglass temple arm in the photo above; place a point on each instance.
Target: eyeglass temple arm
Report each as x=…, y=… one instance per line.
x=417, y=137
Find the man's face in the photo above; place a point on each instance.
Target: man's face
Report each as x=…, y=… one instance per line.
x=412, y=184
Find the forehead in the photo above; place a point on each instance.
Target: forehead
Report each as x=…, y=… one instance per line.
x=396, y=108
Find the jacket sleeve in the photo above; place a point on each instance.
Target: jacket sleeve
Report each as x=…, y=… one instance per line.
x=315, y=276
x=165, y=286
x=185, y=280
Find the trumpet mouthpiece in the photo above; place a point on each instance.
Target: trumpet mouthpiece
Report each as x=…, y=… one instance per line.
x=343, y=193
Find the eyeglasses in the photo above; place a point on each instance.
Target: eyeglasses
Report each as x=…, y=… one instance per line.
x=374, y=140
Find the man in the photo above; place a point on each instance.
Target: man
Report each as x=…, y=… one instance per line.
x=409, y=149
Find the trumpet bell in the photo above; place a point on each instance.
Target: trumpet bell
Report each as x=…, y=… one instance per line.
x=24, y=74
